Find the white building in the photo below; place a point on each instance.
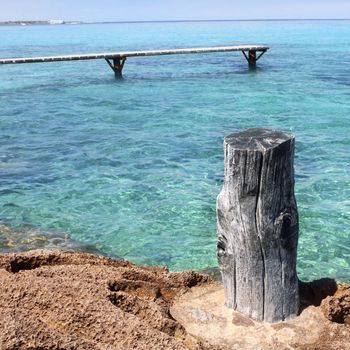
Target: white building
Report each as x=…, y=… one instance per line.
x=56, y=21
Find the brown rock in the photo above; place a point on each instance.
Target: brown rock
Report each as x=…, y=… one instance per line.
x=337, y=307
x=58, y=300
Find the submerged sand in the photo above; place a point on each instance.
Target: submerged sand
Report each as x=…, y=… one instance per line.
x=65, y=300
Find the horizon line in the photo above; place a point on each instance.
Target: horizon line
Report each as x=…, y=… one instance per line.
x=222, y=20
x=191, y=20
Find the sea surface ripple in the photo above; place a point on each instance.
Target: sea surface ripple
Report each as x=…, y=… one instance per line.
x=133, y=167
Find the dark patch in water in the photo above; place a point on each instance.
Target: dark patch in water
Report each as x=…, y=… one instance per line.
x=11, y=205
x=6, y=191
x=340, y=79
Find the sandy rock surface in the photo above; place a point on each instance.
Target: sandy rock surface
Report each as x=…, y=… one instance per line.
x=64, y=300
x=56, y=300
x=203, y=314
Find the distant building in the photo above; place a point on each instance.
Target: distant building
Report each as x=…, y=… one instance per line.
x=55, y=21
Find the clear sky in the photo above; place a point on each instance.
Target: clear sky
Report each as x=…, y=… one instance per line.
x=145, y=10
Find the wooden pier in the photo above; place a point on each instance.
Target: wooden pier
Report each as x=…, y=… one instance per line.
x=116, y=60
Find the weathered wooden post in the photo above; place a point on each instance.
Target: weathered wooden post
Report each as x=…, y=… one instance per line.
x=258, y=225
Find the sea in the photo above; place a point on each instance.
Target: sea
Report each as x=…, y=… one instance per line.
x=132, y=167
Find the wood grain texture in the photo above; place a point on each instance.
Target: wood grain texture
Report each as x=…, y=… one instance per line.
x=258, y=225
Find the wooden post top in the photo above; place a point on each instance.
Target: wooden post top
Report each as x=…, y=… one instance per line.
x=257, y=139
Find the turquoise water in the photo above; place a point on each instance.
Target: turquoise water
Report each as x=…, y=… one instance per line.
x=133, y=167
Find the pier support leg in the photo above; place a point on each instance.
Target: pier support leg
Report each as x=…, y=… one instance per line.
x=252, y=59
x=117, y=65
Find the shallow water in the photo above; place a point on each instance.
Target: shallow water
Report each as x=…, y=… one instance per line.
x=134, y=166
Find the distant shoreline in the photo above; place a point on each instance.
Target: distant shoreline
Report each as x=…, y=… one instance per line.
x=61, y=22
x=49, y=22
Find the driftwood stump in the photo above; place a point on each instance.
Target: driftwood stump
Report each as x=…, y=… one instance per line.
x=258, y=225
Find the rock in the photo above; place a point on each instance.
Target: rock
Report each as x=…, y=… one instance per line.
x=21, y=239
x=62, y=300
x=337, y=307
x=65, y=300
x=227, y=329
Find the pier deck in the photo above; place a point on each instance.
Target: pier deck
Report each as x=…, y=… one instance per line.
x=116, y=60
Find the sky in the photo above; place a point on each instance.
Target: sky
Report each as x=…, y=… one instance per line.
x=150, y=10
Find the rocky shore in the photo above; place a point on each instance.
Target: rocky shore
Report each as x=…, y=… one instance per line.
x=65, y=300
x=52, y=21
